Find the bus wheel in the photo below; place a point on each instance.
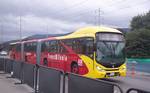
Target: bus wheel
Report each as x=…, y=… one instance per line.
x=75, y=68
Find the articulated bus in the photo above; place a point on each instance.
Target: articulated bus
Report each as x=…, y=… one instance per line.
x=95, y=52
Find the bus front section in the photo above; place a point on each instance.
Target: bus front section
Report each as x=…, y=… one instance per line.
x=110, y=55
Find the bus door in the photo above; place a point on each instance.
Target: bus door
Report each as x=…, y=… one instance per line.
x=89, y=49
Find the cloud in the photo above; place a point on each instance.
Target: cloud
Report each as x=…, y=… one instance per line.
x=63, y=16
x=31, y=25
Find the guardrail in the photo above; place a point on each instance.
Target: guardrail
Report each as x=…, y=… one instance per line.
x=49, y=80
x=80, y=84
x=133, y=90
x=2, y=64
x=28, y=72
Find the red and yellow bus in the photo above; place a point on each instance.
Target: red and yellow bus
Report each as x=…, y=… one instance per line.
x=95, y=52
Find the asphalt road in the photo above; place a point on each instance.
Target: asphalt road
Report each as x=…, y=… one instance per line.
x=138, y=81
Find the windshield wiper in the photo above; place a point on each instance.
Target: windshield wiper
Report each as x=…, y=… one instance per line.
x=108, y=48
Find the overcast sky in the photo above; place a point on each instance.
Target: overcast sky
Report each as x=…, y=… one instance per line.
x=63, y=16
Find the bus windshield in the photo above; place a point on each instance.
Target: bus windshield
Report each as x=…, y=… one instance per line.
x=110, y=49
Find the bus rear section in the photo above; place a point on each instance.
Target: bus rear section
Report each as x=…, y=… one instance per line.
x=15, y=51
x=30, y=49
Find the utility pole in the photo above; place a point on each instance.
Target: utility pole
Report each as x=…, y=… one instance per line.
x=95, y=17
x=47, y=31
x=20, y=28
x=1, y=33
x=99, y=17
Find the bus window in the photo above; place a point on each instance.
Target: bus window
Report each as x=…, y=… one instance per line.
x=45, y=46
x=78, y=45
x=18, y=47
x=12, y=48
x=89, y=48
x=53, y=46
x=84, y=46
x=30, y=47
x=61, y=48
x=68, y=45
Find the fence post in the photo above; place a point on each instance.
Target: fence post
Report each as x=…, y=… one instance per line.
x=65, y=83
x=36, y=78
x=21, y=72
x=4, y=65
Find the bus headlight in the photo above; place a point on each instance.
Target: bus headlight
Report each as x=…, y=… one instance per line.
x=123, y=68
x=99, y=68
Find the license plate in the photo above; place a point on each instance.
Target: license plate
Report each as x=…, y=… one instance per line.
x=112, y=74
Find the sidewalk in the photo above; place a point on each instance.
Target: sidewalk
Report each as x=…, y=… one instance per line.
x=7, y=85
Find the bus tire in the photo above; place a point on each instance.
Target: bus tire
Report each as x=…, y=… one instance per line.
x=74, y=68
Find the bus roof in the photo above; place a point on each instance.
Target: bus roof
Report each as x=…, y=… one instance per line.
x=87, y=32
x=83, y=32
x=28, y=41
x=13, y=43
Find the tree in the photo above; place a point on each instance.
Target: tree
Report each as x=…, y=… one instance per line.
x=138, y=40
x=136, y=23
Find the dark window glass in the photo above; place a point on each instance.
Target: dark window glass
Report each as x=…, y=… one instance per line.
x=18, y=47
x=89, y=47
x=61, y=48
x=30, y=47
x=81, y=45
x=12, y=47
x=45, y=46
x=53, y=46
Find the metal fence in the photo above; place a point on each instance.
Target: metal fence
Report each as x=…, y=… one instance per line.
x=28, y=74
x=49, y=80
x=17, y=70
x=2, y=64
x=79, y=84
x=8, y=66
